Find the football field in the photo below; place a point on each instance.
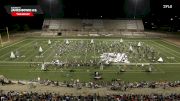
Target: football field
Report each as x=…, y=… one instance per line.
x=78, y=58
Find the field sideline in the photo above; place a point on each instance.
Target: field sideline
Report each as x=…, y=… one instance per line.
x=28, y=65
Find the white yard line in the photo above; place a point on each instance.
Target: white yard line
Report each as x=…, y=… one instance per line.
x=113, y=64
x=145, y=63
x=51, y=53
x=169, y=42
x=46, y=50
x=33, y=55
x=17, y=49
x=159, y=69
x=162, y=50
x=129, y=72
x=26, y=52
x=167, y=47
x=167, y=51
x=12, y=44
x=17, y=62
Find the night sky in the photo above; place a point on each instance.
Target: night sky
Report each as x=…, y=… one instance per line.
x=96, y=8
x=148, y=10
x=100, y=8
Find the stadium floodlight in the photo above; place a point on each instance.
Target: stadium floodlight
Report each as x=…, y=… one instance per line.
x=50, y=11
x=7, y=31
x=136, y=2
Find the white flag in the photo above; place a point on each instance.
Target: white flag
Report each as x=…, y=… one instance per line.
x=130, y=48
x=67, y=41
x=121, y=40
x=42, y=66
x=49, y=42
x=92, y=41
x=40, y=49
x=160, y=59
x=12, y=56
x=139, y=44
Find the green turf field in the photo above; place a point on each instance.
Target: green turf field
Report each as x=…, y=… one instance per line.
x=28, y=61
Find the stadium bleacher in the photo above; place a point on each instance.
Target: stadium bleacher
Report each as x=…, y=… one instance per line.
x=93, y=26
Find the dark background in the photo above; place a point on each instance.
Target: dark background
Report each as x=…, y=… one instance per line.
x=151, y=11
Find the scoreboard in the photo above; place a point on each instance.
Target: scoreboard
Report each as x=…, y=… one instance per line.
x=25, y=11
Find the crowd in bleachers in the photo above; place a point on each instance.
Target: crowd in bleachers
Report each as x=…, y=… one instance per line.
x=113, y=85
x=33, y=96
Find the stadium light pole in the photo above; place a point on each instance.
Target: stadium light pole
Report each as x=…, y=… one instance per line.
x=172, y=24
x=50, y=9
x=7, y=33
x=50, y=14
x=135, y=9
x=1, y=41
